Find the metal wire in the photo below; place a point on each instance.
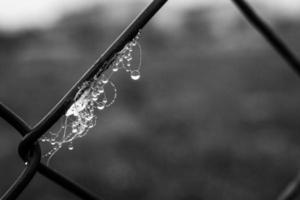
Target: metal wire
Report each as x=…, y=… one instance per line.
x=25, y=177
x=98, y=68
x=292, y=190
x=15, y=121
x=29, y=148
x=273, y=38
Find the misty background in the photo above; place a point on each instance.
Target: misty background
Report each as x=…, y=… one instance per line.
x=214, y=116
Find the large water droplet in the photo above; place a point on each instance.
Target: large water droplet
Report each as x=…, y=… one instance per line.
x=135, y=74
x=74, y=130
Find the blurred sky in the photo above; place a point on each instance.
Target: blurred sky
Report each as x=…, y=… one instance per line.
x=17, y=14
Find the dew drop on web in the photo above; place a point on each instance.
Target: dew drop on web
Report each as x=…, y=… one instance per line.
x=100, y=89
x=70, y=146
x=100, y=106
x=135, y=75
x=81, y=116
x=115, y=68
x=104, y=100
x=104, y=79
x=74, y=130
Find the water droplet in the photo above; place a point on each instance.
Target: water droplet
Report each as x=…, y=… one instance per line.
x=104, y=100
x=95, y=93
x=26, y=163
x=104, y=79
x=94, y=98
x=74, y=130
x=135, y=74
x=128, y=64
x=115, y=68
x=70, y=147
x=101, y=105
x=101, y=89
x=133, y=43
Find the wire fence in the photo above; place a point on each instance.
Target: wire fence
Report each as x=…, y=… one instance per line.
x=29, y=148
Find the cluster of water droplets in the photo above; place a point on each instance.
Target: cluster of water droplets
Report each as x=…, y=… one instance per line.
x=92, y=96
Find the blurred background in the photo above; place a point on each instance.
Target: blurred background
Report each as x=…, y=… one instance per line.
x=214, y=116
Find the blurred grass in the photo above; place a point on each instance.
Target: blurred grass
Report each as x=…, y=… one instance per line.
x=213, y=117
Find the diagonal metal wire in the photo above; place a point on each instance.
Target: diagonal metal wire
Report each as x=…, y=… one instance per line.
x=292, y=190
x=29, y=149
x=273, y=38
x=98, y=68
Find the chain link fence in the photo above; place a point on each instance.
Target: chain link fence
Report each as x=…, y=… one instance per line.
x=29, y=149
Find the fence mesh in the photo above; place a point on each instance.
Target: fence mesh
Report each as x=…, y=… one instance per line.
x=30, y=150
